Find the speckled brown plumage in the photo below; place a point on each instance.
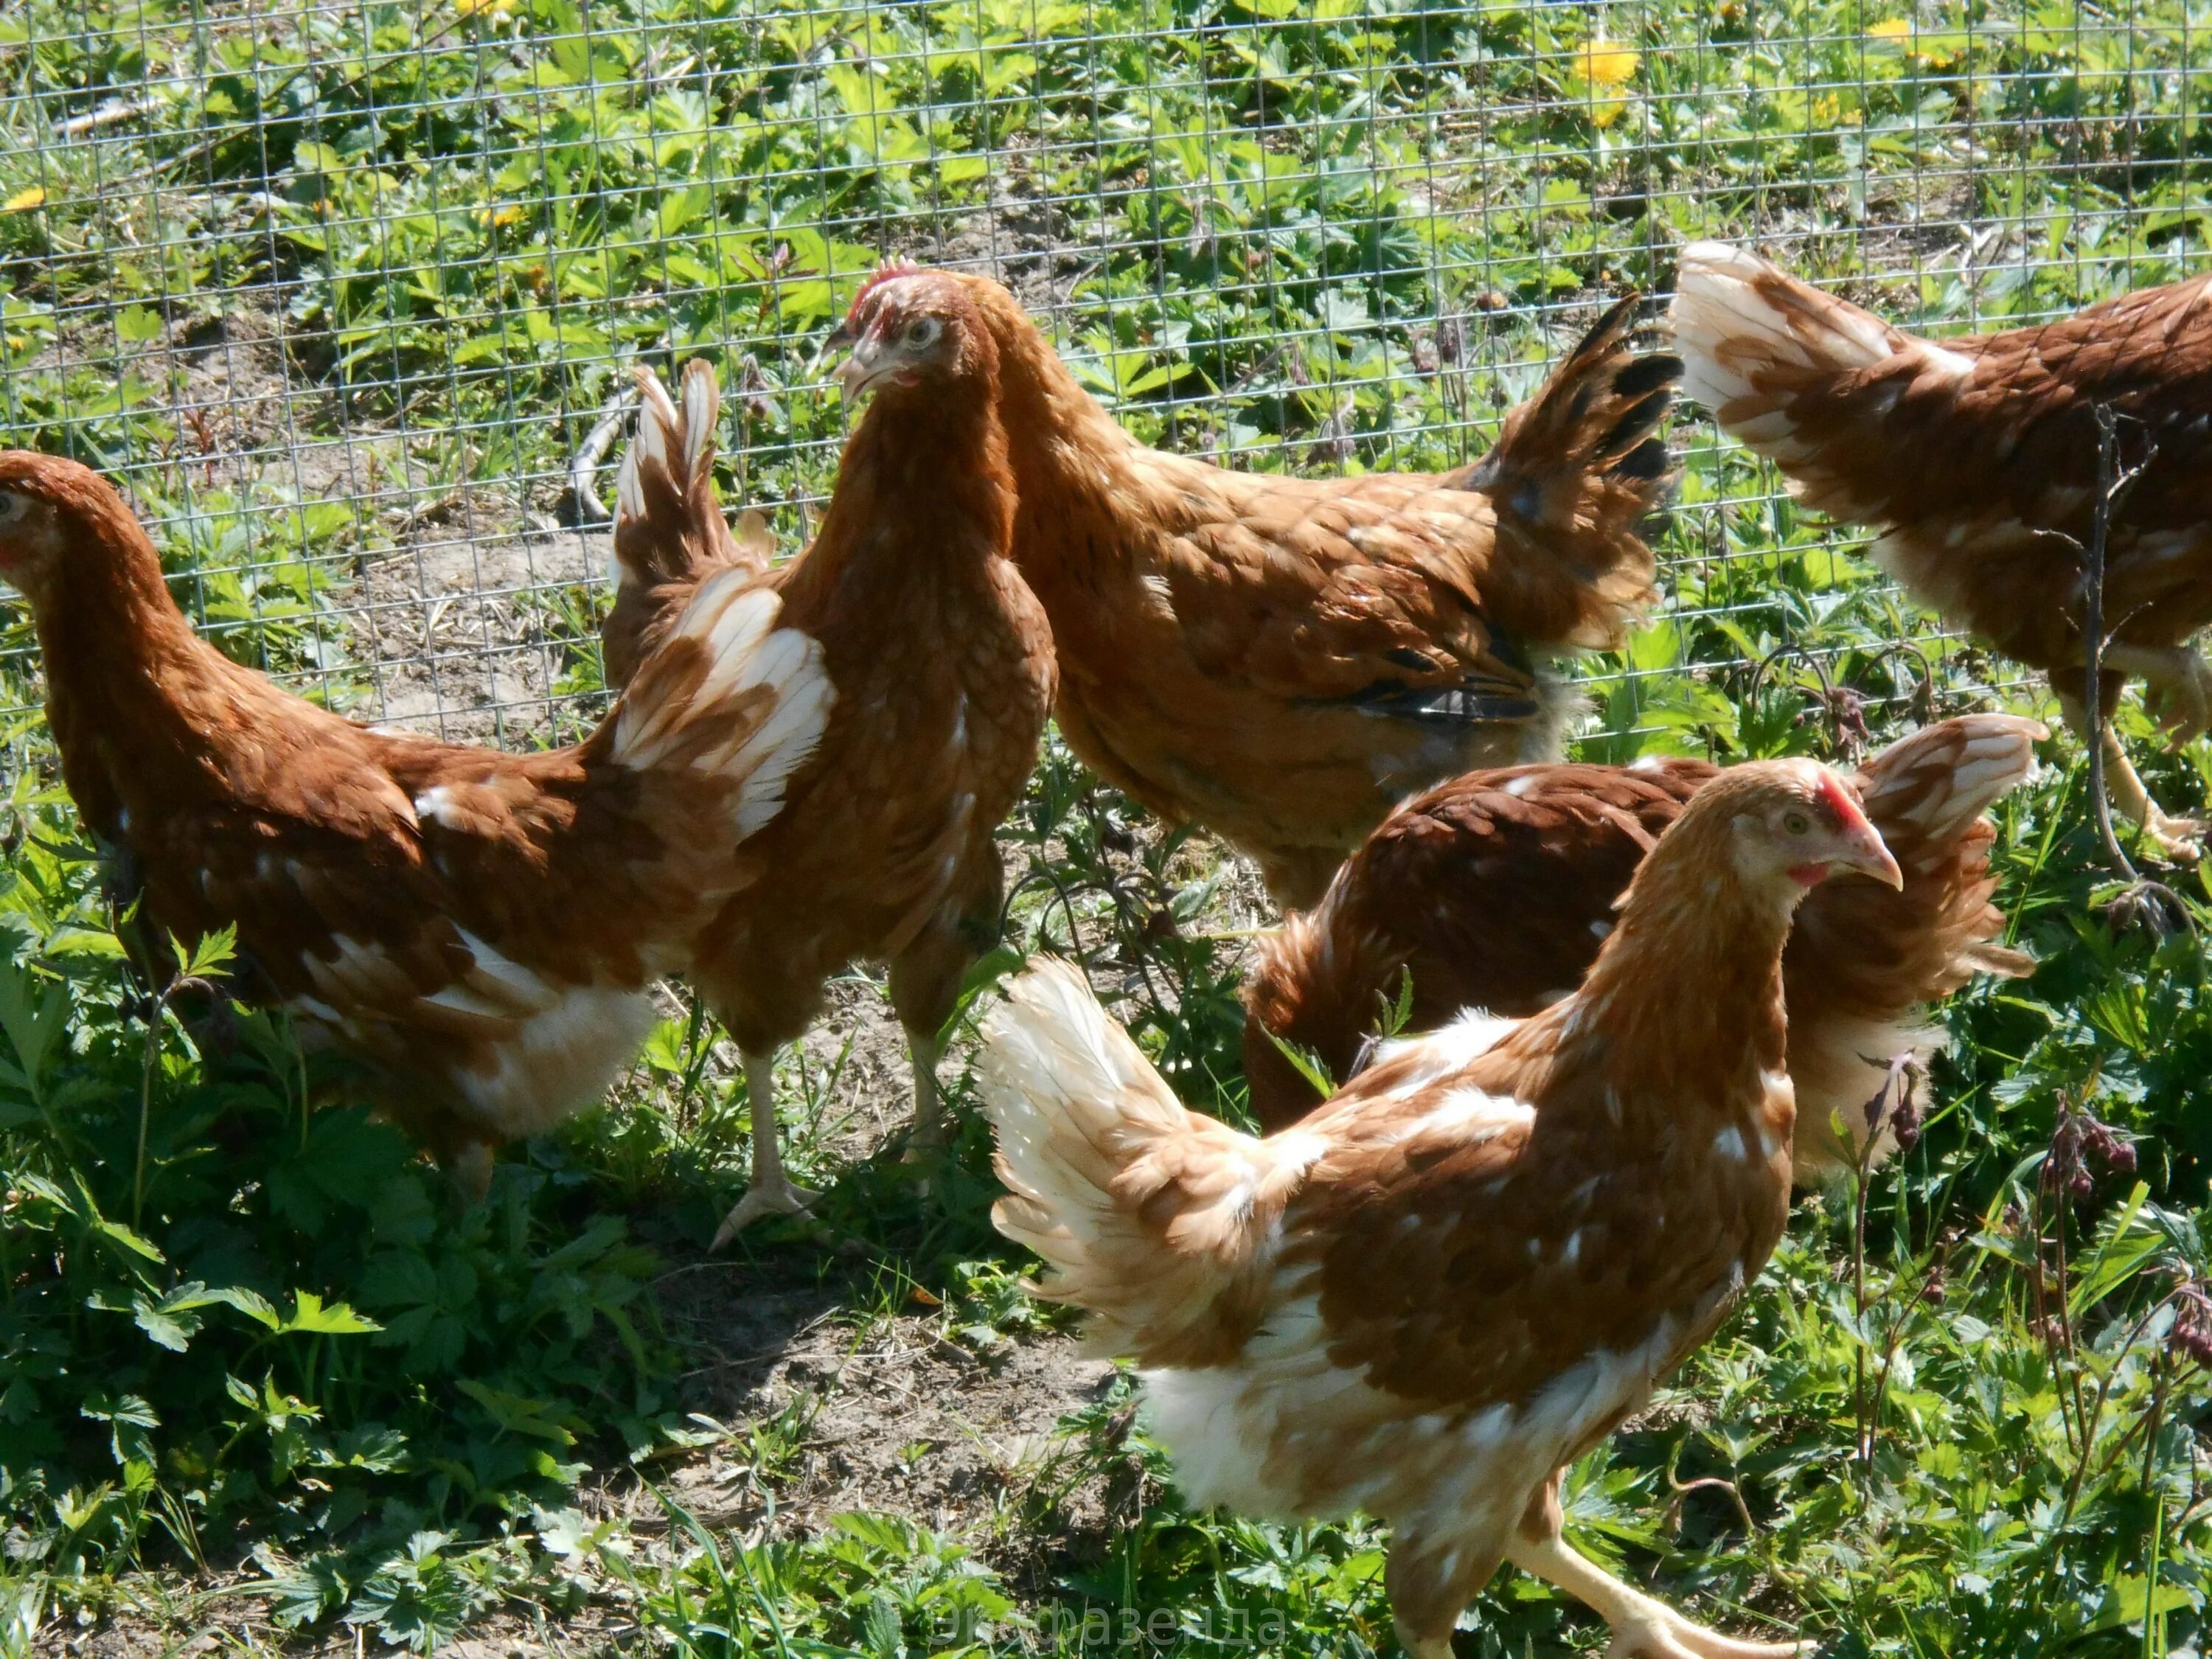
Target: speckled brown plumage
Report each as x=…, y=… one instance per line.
x=1966, y=453
x=1496, y=890
x=1470, y=1265
x=1280, y=659
x=481, y=929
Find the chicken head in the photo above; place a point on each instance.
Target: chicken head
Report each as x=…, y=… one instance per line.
x=907, y=327
x=39, y=495
x=1806, y=828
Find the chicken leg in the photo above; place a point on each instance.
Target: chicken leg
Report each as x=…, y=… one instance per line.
x=1643, y=1628
x=927, y=1137
x=470, y=1167
x=2176, y=838
x=925, y=981
x=772, y=1192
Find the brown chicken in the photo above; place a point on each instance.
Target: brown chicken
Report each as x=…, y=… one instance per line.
x=481, y=930
x=1975, y=459
x=1495, y=891
x=1476, y=1261
x=1282, y=660
x=942, y=666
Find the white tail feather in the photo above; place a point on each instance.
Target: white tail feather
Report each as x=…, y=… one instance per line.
x=1980, y=758
x=680, y=441
x=1752, y=334
x=1734, y=314
x=1147, y=1211
x=659, y=426
x=703, y=409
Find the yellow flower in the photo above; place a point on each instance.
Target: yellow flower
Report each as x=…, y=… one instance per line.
x=492, y=218
x=24, y=200
x=1608, y=63
x=493, y=9
x=1891, y=28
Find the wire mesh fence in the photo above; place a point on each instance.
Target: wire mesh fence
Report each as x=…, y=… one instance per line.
x=342, y=292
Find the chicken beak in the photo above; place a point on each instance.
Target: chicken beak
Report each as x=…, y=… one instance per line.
x=832, y=342
x=1861, y=849
x=859, y=370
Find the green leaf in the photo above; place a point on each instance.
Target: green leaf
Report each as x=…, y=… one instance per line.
x=517, y=1414
x=136, y=324
x=1307, y=1064
x=309, y=1314
x=35, y=1023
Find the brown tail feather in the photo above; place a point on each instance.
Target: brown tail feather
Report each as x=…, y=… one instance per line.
x=1575, y=470
x=669, y=530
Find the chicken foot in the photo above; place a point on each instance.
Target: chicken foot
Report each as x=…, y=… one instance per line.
x=2175, y=838
x=772, y=1192
x=1643, y=1628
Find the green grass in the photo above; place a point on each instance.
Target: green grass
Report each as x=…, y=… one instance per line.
x=268, y=1364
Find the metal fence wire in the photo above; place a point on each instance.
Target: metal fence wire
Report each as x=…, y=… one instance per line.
x=340, y=292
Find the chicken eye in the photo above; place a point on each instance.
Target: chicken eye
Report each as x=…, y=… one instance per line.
x=12, y=507
x=921, y=330
x=1797, y=822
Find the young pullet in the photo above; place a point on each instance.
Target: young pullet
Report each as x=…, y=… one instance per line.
x=942, y=662
x=481, y=930
x=1494, y=890
x=1976, y=458
x=1282, y=660
x=1474, y=1262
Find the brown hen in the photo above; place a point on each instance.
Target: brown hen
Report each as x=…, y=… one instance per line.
x=1975, y=459
x=1496, y=890
x=481, y=930
x=942, y=666
x=1474, y=1263
x=1281, y=659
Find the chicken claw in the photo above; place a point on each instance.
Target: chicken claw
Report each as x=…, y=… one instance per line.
x=771, y=1192
x=1672, y=1637
x=2179, y=840
x=781, y=1197
x=1643, y=1628
x=926, y=1140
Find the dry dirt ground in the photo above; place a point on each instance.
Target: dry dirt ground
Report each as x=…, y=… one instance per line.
x=895, y=1420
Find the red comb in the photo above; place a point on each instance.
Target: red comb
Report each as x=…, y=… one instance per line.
x=1838, y=800
x=890, y=269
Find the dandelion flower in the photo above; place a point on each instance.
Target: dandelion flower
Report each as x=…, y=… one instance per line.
x=1608, y=63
